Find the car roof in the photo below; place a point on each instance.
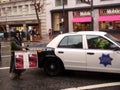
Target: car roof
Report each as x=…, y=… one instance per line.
x=86, y=32
x=57, y=39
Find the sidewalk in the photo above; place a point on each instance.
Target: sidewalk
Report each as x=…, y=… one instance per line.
x=45, y=39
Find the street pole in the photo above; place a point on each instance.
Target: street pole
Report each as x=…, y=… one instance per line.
x=63, y=16
x=0, y=51
x=92, y=17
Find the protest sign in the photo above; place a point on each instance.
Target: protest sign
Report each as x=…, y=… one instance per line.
x=25, y=60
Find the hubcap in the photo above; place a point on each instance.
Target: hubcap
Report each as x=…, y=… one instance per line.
x=52, y=66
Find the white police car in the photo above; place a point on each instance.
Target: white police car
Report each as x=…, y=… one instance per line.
x=85, y=50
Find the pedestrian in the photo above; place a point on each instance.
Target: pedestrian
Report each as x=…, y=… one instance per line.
x=5, y=35
x=31, y=34
x=22, y=34
x=16, y=44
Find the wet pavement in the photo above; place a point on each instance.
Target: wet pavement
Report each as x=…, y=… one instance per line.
x=36, y=79
x=5, y=82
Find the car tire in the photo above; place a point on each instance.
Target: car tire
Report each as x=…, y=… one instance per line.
x=53, y=67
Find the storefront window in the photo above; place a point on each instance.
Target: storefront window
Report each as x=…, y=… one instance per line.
x=117, y=25
x=86, y=26
x=110, y=25
x=19, y=28
x=56, y=21
x=109, y=19
x=81, y=20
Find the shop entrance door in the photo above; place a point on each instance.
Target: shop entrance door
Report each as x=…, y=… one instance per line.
x=85, y=26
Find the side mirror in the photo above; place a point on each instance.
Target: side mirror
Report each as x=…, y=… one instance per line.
x=114, y=47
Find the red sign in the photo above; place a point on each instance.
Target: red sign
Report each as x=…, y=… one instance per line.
x=24, y=60
x=19, y=61
x=32, y=60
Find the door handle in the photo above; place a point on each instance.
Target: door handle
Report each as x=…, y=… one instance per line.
x=60, y=52
x=90, y=53
x=118, y=52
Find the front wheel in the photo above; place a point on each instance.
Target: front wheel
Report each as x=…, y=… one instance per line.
x=53, y=67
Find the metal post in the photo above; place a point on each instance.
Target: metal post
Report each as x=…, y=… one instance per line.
x=92, y=17
x=63, y=16
x=0, y=51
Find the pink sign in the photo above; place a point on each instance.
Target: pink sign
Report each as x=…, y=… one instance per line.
x=109, y=18
x=81, y=19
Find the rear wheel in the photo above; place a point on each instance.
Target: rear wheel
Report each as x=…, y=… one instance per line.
x=53, y=67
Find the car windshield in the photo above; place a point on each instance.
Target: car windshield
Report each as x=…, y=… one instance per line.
x=113, y=38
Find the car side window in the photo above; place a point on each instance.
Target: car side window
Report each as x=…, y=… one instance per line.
x=72, y=41
x=98, y=42
x=63, y=43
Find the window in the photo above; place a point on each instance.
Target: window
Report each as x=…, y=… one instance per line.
x=71, y=42
x=59, y=2
x=15, y=10
x=26, y=9
x=9, y=11
x=3, y=12
x=20, y=10
x=105, y=0
x=82, y=1
x=98, y=42
x=56, y=21
x=32, y=8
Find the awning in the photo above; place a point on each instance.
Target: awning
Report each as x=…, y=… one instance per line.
x=81, y=19
x=109, y=18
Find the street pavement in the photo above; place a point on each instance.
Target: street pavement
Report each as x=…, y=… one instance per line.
x=35, y=79
x=5, y=82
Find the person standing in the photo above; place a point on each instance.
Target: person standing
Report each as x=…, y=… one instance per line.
x=16, y=44
x=31, y=34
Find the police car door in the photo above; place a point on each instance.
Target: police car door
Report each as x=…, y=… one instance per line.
x=101, y=55
x=70, y=51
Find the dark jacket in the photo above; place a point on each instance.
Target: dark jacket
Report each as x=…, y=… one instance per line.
x=15, y=46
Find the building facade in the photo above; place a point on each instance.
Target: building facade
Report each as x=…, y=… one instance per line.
x=78, y=15
x=21, y=15
x=61, y=16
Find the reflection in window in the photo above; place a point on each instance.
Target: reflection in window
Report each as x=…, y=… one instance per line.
x=73, y=41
